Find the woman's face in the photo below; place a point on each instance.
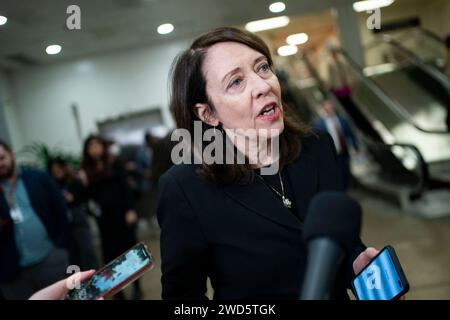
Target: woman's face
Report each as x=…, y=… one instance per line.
x=95, y=149
x=57, y=171
x=244, y=91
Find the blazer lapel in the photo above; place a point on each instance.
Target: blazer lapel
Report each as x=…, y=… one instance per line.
x=259, y=199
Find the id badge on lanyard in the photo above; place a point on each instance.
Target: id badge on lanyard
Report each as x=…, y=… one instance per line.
x=16, y=215
x=14, y=211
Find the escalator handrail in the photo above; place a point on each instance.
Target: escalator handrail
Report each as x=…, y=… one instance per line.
x=423, y=172
x=427, y=33
x=432, y=71
x=432, y=35
x=388, y=101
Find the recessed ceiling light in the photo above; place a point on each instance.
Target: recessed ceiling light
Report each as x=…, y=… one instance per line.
x=277, y=7
x=165, y=28
x=3, y=20
x=266, y=24
x=287, y=50
x=371, y=5
x=53, y=49
x=296, y=39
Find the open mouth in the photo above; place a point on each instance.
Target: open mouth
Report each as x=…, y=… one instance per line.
x=268, y=110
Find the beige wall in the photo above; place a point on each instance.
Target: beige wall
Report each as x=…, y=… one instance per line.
x=436, y=17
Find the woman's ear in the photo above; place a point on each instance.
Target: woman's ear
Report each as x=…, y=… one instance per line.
x=203, y=112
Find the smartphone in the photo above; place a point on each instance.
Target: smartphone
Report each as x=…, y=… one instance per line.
x=115, y=276
x=382, y=279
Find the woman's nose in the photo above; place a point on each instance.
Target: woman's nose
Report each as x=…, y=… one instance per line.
x=260, y=87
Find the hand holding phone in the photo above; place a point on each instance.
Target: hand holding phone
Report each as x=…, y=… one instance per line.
x=115, y=276
x=59, y=290
x=382, y=278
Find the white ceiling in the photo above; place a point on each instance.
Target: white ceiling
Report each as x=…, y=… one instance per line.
x=109, y=25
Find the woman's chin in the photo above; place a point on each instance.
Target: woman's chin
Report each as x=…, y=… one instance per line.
x=272, y=131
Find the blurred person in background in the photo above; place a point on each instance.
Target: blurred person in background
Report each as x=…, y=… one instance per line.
x=343, y=137
x=106, y=182
x=144, y=160
x=338, y=78
x=339, y=83
x=162, y=160
x=34, y=229
x=81, y=248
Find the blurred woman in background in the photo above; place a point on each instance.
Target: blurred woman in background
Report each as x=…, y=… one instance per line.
x=81, y=248
x=105, y=180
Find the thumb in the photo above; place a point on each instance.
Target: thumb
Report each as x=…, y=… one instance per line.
x=371, y=253
x=363, y=259
x=74, y=280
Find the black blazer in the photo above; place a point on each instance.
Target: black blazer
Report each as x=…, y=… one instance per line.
x=241, y=236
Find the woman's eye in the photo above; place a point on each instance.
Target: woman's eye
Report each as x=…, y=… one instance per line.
x=264, y=67
x=236, y=82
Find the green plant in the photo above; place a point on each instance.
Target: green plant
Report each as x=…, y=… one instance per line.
x=41, y=153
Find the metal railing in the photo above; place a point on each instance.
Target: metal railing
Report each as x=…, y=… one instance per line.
x=435, y=73
x=384, y=97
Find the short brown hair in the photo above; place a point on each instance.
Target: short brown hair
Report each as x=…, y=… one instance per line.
x=188, y=87
x=5, y=146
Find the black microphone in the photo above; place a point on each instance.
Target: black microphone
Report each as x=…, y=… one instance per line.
x=332, y=228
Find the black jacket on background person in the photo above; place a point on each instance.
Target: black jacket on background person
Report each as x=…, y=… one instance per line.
x=241, y=236
x=113, y=195
x=78, y=191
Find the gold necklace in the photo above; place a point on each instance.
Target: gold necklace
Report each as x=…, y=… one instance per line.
x=286, y=202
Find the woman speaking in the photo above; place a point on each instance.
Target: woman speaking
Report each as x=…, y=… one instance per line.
x=230, y=220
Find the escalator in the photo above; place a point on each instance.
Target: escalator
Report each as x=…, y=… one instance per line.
x=421, y=88
x=403, y=145
x=422, y=93
x=426, y=46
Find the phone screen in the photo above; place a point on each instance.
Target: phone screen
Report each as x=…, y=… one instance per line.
x=379, y=280
x=115, y=275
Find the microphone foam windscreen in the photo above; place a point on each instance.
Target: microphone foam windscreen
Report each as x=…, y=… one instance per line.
x=333, y=215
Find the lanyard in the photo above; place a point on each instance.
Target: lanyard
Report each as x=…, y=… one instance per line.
x=10, y=196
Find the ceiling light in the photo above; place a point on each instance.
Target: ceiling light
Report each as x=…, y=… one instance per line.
x=266, y=24
x=296, y=39
x=3, y=20
x=277, y=7
x=53, y=49
x=371, y=5
x=287, y=50
x=165, y=28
